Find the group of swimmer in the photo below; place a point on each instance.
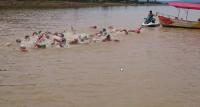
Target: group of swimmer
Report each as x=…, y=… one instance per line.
x=64, y=39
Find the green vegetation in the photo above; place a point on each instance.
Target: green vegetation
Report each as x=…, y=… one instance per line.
x=66, y=3
x=88, y=1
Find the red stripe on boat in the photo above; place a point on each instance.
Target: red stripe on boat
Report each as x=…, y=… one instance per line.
x=165, y=20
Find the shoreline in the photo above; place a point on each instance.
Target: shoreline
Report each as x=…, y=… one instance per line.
x=64, y=4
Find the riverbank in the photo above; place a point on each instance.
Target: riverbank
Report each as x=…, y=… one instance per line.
x=53, y=4
x=60, y=4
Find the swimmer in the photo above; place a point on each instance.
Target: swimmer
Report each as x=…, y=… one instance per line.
x=108, y=38
x=21, y=46
x=100, y=33
x=125, y=31
x=93, y=27
x=84, y=37
x=63, y=43
x=41, y=37
x=59, y=39
x=114, y=30
x=34, y=33
x=26, y=42
x=40, y=40
x=56, y=38
x=74, y=42
x=104, y=32
x=138, y=30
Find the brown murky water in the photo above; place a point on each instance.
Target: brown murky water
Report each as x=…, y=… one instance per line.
x=161, y=66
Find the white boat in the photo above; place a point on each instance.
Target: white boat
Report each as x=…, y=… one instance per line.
x=151, y=24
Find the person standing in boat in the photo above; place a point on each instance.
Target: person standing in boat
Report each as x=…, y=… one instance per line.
x=150, y=18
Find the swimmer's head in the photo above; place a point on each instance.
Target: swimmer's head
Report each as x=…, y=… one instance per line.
x=47, y=36
x=27, y=37
x=39, y=32
x=104, y=29
x=94, y=27
x=62, y=35
x=48, y=32
x=56, y=33
x=18, y=41
x=108, y=37
x=63, y=40
x=34, y=33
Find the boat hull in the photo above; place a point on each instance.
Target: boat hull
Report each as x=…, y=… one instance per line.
x=151, y=24
x=169, y=22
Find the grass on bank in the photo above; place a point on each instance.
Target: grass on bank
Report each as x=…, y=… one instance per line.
x=58, y=4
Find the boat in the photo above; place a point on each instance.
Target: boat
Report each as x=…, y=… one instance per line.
x=172, y=21
x=151, y=24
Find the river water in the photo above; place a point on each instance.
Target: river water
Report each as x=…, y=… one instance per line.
x=159, y=67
